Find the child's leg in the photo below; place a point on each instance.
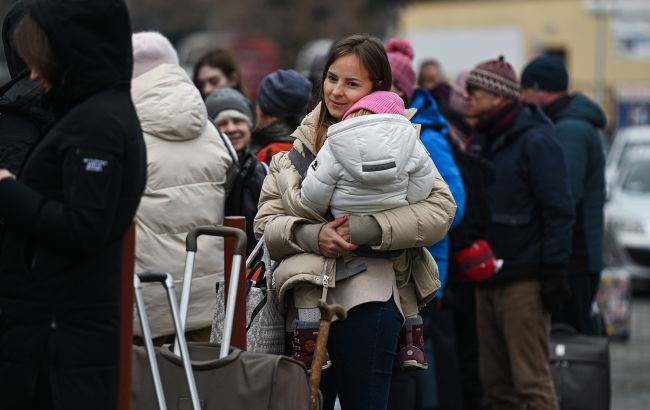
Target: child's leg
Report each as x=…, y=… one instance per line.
x=411, y=344
x=305, y=299
x=305, y=331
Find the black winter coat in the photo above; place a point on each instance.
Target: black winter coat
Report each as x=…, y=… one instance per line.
x=530, y=199
x=66, y=215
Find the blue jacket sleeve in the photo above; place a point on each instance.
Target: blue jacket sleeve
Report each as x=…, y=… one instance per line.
x=440, y=153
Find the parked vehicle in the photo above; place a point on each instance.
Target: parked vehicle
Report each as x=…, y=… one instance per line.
x=627, y=216
x=626, y=141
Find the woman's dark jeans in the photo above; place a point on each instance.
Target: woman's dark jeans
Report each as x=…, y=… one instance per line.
x=362, y=349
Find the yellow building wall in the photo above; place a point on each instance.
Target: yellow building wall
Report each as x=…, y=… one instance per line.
x=543, y=24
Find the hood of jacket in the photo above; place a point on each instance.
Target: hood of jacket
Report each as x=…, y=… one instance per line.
x=428, y=114
x=582, y=107
x=21, y=93
x=91, y=42
x=373, y=148
x=169, y=106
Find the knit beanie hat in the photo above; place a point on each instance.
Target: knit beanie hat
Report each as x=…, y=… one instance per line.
x=400, y=56
x=228, y=99
x=284, y=93
x=151, y=49
x=379, y=102
x=547, y=73
x=496, y=76
x=458, y=96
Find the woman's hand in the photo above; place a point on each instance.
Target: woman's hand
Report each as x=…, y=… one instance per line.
x=344, y=230
x=4, y=173
x=331, y=244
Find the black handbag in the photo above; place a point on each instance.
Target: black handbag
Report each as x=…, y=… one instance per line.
x=580, y=369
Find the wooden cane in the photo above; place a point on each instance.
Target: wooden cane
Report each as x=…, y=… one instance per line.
x=327, y=313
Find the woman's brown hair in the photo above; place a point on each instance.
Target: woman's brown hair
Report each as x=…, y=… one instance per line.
x=34, y=48
x=371, y=53
x=224, y=61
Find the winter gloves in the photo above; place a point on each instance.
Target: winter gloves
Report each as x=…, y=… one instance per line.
x=554, y=288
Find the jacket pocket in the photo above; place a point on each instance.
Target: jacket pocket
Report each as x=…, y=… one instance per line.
x=511, y=235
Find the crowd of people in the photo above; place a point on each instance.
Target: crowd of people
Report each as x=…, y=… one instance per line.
x=454, y=221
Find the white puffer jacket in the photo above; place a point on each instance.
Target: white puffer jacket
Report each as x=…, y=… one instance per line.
x=369, y=164
x=187, y=164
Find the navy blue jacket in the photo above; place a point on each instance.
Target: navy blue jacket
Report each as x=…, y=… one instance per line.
x=530, y=199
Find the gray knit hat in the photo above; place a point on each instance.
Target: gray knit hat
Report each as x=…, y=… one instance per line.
x=228, y=99
x=284, y=93
x=496, y=76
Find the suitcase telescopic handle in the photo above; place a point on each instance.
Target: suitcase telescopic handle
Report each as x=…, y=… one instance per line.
x=238, y=234
x=150, y=277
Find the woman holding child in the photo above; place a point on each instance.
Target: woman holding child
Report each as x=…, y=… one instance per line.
x=311, y=246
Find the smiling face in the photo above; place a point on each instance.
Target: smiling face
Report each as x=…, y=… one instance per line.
x=237, y=130
x=346, y=82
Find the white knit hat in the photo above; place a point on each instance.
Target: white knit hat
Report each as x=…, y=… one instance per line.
x=151, y=49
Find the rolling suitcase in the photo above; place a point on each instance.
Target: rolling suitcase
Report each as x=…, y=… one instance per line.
x=580, y=369
x=226, y=378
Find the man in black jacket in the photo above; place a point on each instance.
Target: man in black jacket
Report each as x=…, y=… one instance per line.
x=532, y=217
x=68, y=209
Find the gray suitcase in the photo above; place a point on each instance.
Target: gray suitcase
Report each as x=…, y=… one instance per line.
x=226, y=378
x=580, y=368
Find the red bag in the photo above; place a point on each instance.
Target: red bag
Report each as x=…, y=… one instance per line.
x=475, y=263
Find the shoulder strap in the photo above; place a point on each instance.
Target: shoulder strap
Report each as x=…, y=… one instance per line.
x=301, y=162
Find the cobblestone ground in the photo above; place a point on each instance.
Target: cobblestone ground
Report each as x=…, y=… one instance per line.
x=630, y=361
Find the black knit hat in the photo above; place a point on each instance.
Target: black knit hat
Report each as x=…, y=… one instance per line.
x=496, y=76
x=546, y=73
x=284, y=93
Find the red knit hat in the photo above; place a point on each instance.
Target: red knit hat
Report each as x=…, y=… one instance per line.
x=495, y=76
x=400, y=56
x=379, y=102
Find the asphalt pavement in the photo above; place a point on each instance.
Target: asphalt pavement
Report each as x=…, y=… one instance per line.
x=630, y=361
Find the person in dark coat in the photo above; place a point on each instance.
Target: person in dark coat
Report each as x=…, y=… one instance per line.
x=231, y=112
x=282, y=100
x=530, y=230
x=22, y=118
x=578, y=122
x=68, y=209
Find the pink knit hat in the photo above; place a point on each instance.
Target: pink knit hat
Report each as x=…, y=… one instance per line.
x=379, y=102
x=400, y=56
x=151, y=49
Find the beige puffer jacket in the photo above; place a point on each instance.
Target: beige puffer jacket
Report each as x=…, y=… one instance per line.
x=412, y=226
x=187, y=164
